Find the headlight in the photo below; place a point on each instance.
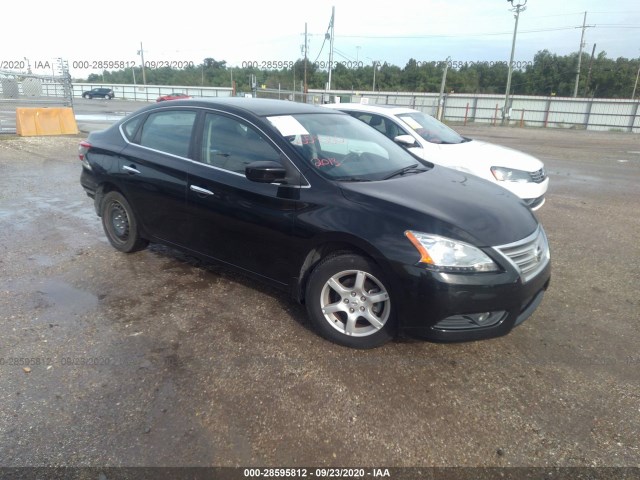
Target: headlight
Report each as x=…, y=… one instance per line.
x=446, y=255
x=504, y=174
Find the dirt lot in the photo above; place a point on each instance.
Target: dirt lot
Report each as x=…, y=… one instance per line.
x=155, y=359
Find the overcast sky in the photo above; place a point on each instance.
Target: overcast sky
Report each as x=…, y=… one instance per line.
x=428, y=30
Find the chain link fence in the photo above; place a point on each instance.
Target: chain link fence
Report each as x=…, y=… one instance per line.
x=29, y=90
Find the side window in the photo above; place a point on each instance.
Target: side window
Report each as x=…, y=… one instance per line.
x=232, y=145
x=168, y=131
x=363, y=117
x=383, y=125
x=392, y=129
x=377, y=122
x=131, y=127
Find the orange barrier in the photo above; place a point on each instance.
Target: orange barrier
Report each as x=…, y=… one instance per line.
x=45, y=121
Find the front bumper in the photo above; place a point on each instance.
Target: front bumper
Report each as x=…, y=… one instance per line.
x=436, y=305
x=528, y=191
x=534, y=203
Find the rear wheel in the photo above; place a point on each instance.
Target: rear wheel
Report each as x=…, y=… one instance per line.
x=120, y=224
x=87, y=96
x=348, y=301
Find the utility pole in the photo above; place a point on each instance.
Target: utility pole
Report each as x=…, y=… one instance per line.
x=586, y=87
x=233, y=84
x=333, y=18
x=141, y=53
x=516, y=8
x=633, y=95
x=375, y=67
x=441, y=97
x=584, y=26
x=306, y=90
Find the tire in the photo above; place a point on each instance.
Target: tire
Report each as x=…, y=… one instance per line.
x=87, y=96
x=348, y=302
x=120, y=224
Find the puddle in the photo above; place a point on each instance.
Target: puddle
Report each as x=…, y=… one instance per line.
x=62, y=302
x=43, y=260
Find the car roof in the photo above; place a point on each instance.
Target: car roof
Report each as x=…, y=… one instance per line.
x=261, y=107
x=362, y=107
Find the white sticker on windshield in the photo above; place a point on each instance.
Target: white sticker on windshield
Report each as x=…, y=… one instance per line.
x=287, y=125
x=412, y=123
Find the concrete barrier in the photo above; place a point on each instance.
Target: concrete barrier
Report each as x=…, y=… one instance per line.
x=45, y=121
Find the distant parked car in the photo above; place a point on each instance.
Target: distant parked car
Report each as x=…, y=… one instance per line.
x=432, y=140
x=100, y=93
x=173, y=96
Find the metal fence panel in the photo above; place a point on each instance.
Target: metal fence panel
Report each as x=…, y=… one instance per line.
x=149, y=93
x=555, y=112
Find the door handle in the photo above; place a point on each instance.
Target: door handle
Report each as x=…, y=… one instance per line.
x=203, y=191
x=129, y=169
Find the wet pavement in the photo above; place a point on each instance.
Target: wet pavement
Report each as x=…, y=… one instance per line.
x=155, y=359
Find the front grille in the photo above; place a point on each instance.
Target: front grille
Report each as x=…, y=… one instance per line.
x=529, y=255
x=538, y=176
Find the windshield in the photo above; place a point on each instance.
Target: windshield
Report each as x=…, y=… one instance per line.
x=431, y=129
x=345, y=149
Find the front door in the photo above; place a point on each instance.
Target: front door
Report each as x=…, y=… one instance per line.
x=233, y=219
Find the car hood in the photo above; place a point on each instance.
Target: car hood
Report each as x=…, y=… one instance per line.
x=478, y=154
x=448, y=203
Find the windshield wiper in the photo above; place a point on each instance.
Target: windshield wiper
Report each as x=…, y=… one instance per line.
x=352, y=179
x=405, y=170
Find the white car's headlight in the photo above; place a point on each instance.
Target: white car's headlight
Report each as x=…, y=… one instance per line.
x=504, y=174
x=446, y=255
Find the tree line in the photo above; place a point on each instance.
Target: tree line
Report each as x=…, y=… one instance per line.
x=547, y=74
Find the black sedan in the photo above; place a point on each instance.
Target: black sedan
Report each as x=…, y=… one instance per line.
x=373, y=240
x=99, y=93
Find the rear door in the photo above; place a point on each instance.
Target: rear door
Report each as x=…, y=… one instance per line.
x=152, y=171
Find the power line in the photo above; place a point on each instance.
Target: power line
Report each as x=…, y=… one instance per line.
x=326, y=35
x=580, y=13
x=343, y=55
x=614, y=25
x=462, y=35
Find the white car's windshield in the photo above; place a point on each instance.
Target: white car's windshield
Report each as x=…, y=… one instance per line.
x=431, y=129
x=345, y=149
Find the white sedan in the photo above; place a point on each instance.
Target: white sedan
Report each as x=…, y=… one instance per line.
x=432, y=140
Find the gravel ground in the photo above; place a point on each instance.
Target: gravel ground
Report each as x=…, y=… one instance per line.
x=154, y=359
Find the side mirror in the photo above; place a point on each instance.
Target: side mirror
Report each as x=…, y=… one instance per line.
x=405, y=140
x=265, y=172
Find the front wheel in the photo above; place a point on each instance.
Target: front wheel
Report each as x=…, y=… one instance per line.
x=120, y=224
x=348, y=302
x=87, y=96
